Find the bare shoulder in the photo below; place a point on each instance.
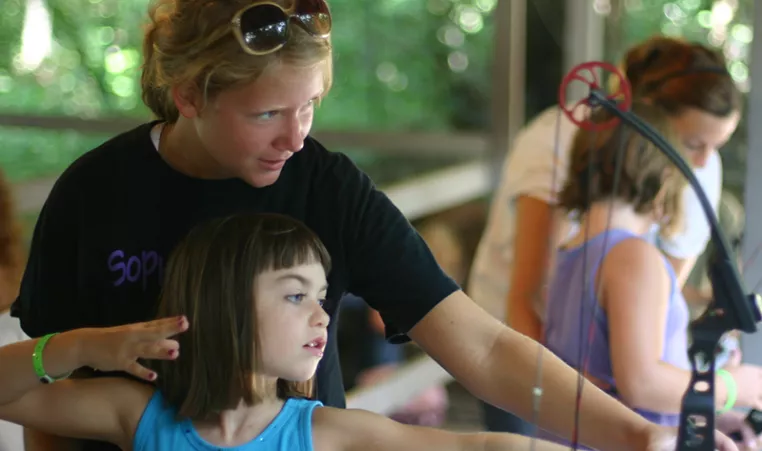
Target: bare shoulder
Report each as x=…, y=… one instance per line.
x=634, y=257
x=133, y=396
x=329, y=426
x=634, y=268
x=129, y=396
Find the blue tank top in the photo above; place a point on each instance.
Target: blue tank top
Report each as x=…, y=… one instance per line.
x=160, y=430
x=571, y=300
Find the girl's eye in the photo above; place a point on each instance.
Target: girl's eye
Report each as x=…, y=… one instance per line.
x=266, y=115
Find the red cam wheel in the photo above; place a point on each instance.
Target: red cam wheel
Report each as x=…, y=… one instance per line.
x=587, y=74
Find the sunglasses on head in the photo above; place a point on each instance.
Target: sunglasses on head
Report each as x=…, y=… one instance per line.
x=263, y=27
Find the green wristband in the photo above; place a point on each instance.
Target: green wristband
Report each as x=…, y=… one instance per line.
x=732, y=389
x=39, y=369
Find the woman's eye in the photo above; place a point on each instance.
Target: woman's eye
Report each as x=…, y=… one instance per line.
x=296, y=298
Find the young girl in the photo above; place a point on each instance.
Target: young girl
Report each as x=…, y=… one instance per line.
x=243, y=300
x=609, y=275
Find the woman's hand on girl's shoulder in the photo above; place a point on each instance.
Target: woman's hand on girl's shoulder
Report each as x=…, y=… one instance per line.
x=119, y=348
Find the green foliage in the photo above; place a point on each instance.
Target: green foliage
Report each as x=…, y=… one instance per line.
x=391, y=70
x=399, y=65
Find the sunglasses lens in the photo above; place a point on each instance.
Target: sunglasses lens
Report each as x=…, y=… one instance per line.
x=264, y=27
x=315, y=16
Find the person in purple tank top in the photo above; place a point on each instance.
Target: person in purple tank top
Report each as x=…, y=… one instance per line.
x=615, y=310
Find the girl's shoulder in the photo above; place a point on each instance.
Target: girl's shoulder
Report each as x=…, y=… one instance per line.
x=131, y=397
x=635, y=252
x=637, y=261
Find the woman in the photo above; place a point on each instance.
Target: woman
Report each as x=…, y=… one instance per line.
x=11, y=268
x=234, y=85
x=615, y=309
x=510, y=268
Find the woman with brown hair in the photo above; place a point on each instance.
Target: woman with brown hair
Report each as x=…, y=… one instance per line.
x=234, y=86
x=511, y=267
x=11, y=268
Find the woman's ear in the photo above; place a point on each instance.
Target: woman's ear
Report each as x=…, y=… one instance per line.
x=188, y=99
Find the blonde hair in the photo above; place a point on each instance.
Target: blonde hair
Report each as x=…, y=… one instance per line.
x=645, y=171
x=191, y=41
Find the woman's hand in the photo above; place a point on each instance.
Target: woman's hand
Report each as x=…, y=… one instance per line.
x=733, y=421
x=119, y=348
x=661, y=438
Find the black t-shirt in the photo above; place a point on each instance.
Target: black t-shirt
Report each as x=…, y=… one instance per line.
x=114, y=216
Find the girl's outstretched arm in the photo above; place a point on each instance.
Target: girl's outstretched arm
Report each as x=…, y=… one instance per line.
x=360, y=430
x=103, y=409
x=636, y=291
x=96, y=408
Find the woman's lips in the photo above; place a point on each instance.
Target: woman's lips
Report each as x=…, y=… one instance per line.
x=272, y=165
